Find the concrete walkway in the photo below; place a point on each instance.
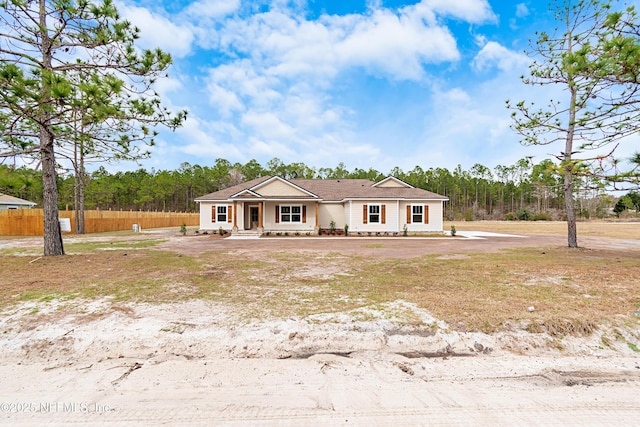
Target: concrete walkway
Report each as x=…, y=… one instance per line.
x=476, y=235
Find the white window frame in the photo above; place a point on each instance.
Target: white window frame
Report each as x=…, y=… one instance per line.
x=371, y=214
x=219, y=209
x=415, y=215
x=291, y=214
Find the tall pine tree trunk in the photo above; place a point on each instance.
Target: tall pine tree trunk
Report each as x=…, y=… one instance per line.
x=572, y=234
x=52, y=232
x=79, y=182
x=570, y=211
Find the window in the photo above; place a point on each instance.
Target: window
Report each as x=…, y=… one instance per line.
x=221, y=213
x=291, y=213
x=374, y=214
x=416, y=213
x=296, y=212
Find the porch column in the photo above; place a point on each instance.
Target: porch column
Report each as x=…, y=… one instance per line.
x=260, y=226
x=317, y=220
x=235, y=213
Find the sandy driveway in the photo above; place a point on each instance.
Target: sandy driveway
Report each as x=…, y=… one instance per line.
x=193, y=364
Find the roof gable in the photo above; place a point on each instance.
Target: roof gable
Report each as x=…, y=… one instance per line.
x=245, y=193
x=279, y=187
x=392, y=182
x=226, y=193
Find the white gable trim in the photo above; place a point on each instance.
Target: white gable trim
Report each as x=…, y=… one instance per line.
x=393, y=178
x=248, y=190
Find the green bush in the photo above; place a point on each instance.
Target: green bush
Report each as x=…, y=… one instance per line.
x=510, y=216
x=524, y=215
x=469, y=215
x=624, y=203
x=541, y=216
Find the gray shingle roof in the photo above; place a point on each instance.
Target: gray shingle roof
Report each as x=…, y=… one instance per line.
x=5, y=199
x=340, y=189
x=224, y=194
x=334, y=190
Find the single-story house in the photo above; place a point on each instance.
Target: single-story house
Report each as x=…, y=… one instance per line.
x=274, y=204
x=10, y=202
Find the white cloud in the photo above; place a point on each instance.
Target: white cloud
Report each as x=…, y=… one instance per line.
x=165, y=86
x=202, y=143
x=225, y=100
x=495, y=55
x=240, y=83
x=522, y=10
x=215, y=9
x=456, y=96
x=473, y=11
x=158, y=31
x=268, y=125
x=397, y=46
x=259, y=147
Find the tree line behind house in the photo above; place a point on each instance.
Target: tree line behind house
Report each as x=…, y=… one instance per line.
x=523, y=191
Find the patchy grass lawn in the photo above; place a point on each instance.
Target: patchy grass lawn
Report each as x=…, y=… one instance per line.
x=571, y=291
x=485, y=292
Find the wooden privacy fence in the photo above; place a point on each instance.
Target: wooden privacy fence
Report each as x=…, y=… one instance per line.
x=30, y=222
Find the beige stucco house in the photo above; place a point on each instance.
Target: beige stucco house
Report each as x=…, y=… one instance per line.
x=275, y=204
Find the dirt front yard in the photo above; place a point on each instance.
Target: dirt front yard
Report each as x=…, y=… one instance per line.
x=495, y=326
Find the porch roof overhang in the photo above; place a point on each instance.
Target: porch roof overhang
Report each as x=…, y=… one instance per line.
x=263, y=199
x=393, y=199
x=290, y=199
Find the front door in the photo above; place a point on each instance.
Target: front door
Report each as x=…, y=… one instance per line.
x=253, y=217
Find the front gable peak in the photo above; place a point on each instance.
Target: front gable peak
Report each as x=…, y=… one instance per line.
x=244, y=194
x=280, y=187
x=392, y=182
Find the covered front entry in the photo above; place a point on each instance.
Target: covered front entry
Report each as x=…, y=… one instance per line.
x=252, y=216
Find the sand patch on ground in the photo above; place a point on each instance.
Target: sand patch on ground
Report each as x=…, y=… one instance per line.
x=196, y=363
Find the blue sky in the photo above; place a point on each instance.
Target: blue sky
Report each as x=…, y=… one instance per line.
x=368, y=83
